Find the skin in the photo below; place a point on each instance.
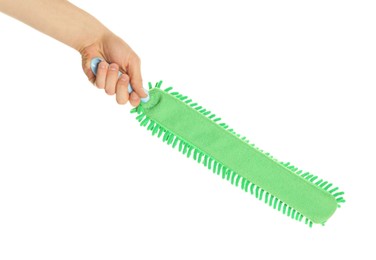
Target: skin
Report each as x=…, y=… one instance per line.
x=74, y=27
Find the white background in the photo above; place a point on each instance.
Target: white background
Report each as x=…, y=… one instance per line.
x=79, y=179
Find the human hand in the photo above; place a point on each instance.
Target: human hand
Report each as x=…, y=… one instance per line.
x=81, y=31
x=121, y=58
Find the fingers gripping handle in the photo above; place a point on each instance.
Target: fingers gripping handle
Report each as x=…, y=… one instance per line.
x=94, y=67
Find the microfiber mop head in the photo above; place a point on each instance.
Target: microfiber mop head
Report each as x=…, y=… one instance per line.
x=198, y=133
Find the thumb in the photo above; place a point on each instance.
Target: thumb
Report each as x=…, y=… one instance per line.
x=87, y=55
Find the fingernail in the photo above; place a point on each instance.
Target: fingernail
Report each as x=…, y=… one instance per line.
x=103, y=66
x=133, y=97
x=113, y=67
x=146, y=91
x=123, y=78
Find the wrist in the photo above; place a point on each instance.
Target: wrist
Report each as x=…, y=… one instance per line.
x=93, y=38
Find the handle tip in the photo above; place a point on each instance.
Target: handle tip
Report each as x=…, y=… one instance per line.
x=94, y=65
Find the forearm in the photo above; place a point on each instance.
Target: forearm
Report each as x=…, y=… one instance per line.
x=58, y=19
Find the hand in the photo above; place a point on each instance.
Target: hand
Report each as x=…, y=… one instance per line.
x=81, y=31
x=120, y=57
